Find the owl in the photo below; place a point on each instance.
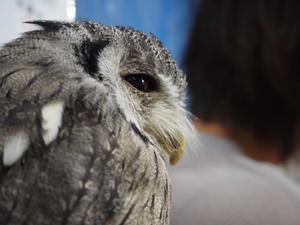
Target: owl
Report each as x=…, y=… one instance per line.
x=90, y=115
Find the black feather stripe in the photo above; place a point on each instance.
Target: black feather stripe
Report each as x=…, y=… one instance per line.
x=156, y=165
x=138, y=132
x=2, y=79
x=152, y=205
x=87, y=54
x=48, y=25
x=127, y=215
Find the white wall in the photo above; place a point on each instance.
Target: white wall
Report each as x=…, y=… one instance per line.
x=14, y=12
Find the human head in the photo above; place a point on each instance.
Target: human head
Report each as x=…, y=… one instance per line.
x=243, y=67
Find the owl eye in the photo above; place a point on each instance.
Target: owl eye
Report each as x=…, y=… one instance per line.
x=142, y=82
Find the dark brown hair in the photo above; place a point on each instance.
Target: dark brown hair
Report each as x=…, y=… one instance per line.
x=243, y=66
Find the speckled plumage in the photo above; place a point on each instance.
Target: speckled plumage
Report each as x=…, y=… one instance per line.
x=96, y=144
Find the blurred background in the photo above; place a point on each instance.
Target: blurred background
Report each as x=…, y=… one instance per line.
x=169, y=20
x=14, y=12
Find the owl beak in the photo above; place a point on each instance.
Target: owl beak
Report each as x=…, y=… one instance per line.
x=174, y=147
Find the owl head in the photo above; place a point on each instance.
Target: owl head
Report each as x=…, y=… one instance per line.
x=146, y=84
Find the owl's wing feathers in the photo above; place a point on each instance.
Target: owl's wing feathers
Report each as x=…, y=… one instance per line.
x=34, y=85
x=39, y=73
x=88, y=172
x=27, y=111
x=88, y=175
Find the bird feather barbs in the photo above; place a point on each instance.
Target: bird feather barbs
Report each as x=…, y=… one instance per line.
x=115, y=97
x=18, y=142
x=165, y=119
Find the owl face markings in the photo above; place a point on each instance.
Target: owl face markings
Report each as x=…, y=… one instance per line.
x=136, y=70
x=146, y=92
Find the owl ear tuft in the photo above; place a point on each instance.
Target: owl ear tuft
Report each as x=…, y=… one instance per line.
x=48, y=25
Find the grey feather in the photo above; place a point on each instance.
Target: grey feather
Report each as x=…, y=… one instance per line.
x=103, y=166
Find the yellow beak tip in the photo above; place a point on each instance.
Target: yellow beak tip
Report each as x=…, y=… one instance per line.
x=174, y=148
x=175, y=157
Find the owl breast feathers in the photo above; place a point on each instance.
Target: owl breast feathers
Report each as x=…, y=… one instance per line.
x=89, y=116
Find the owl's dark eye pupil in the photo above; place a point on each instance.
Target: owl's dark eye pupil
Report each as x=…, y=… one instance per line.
x=142, y=82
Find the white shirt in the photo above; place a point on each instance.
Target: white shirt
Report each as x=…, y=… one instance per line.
x=221, y=186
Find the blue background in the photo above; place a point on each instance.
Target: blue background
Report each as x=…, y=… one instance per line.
x=169, y=20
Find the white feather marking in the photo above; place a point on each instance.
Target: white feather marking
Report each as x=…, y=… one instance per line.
x=169, y=117
x=109, y=66
x=14, y=147
x=51, y=120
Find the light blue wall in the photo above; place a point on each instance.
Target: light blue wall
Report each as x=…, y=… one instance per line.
x=169, y=20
